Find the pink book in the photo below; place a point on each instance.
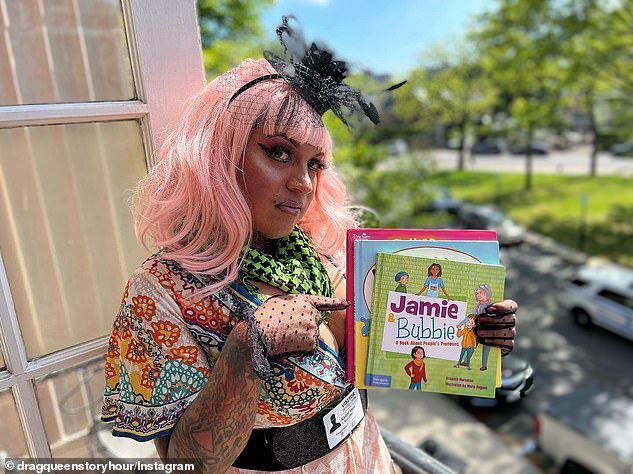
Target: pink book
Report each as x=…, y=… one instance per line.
x=391, y=234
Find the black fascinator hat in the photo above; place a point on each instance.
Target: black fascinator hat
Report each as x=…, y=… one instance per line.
x=315, y=75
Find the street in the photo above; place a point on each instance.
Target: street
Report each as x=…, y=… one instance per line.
x=565, y=356
x=574, y=161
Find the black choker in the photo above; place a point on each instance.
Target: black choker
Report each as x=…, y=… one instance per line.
x=263, y=244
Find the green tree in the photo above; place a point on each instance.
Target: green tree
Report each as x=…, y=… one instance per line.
x=520, y=53
x=618, y=48
x=596, y=50
x=459, y=95
x=615, y=68
x=230, y=31
x=410, y=114
x=388, y=186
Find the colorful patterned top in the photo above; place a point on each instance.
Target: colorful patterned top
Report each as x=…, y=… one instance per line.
x=164, y=345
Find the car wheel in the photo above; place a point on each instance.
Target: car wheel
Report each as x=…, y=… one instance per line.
x=581, y=317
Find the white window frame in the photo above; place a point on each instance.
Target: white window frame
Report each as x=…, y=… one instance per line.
x=164, y=46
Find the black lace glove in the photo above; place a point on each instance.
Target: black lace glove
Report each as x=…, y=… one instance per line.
x=497, y=326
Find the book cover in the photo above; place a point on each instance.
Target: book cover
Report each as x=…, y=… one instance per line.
x=421, y=333
x=390, y=234
x=364, y=266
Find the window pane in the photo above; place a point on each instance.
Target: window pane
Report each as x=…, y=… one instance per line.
x=68, y=242
x=63, y=51
x=70, y=402
x=12, y=443
x=613, y=296
x=578, y=282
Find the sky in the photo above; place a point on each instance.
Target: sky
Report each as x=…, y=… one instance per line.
x=385, y=36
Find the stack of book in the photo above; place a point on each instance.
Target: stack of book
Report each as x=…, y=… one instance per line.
x=415, y=296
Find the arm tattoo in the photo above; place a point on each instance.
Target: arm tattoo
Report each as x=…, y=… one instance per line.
x=214, y=429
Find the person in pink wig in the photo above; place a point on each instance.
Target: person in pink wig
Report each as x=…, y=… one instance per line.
x=227, y=347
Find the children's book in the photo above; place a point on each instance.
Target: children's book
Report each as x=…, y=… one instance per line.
x=361, y=258
x=421, y=333
x=365, y=251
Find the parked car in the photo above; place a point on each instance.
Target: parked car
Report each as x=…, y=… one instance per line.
x=397, y=146
x=487, y=146
x=586, y=432
x=600, y=294
x=537, y=148
x=517, y=380
x=443, y=200
x=622, y=149
x=491, y=217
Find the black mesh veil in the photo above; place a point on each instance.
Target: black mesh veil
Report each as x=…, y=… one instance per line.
x=312, y=73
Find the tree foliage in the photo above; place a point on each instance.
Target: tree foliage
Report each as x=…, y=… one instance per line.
x=457, y=93
x=230, y=31
x=553, y=57
x=389, y=188
x=229, y=19
x=521, y=53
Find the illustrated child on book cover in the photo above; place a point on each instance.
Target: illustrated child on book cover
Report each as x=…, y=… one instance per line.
x=434, y=282
x=402, y=278
x=416, y=369
x=469, y=341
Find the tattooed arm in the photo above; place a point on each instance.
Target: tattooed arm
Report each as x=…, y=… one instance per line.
x=214, y=429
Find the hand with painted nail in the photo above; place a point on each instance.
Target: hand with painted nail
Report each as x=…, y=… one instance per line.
x=289, y=323
x=497, y=326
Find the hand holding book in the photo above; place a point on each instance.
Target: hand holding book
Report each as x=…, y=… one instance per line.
x=496, y=327
x=439, y=280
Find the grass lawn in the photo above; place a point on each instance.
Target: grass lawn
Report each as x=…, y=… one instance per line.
x=554, y=207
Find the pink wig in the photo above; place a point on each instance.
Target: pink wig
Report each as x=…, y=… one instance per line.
x=191, y=203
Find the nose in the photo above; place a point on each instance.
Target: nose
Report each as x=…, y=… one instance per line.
x=301, y=181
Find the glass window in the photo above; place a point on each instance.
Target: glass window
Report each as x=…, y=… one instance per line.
x=70, y=402
x=63, y=51
x=617, y=297
x=67, y=237
x=12, y=443
x=2, y=364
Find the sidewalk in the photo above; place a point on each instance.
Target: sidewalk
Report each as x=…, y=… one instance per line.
x=415, y=417
x=549, y=245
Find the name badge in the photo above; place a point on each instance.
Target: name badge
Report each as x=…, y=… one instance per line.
x=343, y=418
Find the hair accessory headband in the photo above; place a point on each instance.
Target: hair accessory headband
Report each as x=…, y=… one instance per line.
x=317, y=77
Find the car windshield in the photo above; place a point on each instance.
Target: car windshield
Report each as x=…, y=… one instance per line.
x=494, y=216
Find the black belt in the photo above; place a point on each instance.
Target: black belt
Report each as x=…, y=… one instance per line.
x=277, y=449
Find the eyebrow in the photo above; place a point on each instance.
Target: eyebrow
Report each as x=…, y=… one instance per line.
x=295, y=143
x=283, y=135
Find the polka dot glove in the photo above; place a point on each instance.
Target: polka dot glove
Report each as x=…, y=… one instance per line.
x=289, y=324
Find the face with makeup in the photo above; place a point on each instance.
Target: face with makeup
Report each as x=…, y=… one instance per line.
x=280, y=177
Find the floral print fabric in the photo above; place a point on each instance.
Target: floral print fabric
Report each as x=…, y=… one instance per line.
x=165, y=342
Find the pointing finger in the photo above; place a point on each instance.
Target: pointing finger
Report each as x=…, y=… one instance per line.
x=323, y=303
